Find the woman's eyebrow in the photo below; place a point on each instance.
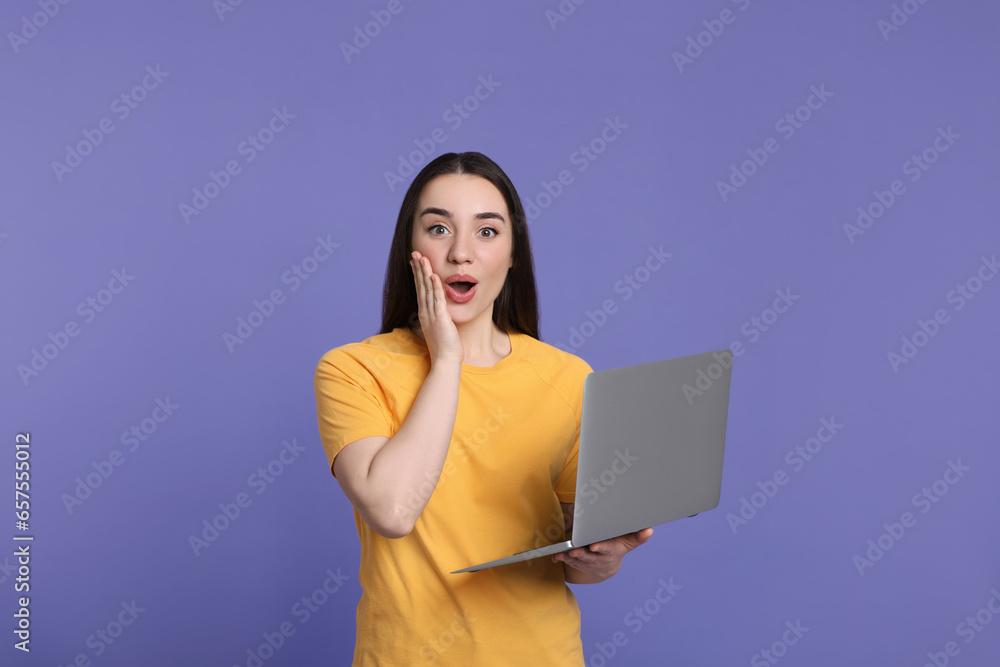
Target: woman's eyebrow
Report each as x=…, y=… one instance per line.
x=490, y=215
x=487, y=215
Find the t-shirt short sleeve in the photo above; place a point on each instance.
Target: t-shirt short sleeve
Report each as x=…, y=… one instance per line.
x=347, y=406
x=566, y=485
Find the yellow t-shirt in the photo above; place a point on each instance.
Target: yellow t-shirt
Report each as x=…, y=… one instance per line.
x=511, y=461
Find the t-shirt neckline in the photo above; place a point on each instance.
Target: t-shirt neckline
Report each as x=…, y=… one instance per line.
x=466, y=368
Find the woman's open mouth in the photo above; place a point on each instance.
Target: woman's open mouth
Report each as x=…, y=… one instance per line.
x=460, y=292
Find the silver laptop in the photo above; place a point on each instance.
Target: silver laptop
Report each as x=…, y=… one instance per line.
x=651, y=443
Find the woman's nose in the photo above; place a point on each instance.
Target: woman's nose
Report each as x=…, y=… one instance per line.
x=460, y=250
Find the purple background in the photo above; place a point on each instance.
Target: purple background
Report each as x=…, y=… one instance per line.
x=654, y=185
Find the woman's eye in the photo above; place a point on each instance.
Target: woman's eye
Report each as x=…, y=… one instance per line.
x=493, y=231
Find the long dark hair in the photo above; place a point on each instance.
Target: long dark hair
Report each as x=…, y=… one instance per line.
x=516, y=307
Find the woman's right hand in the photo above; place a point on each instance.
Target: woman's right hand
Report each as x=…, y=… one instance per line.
x=436, y=325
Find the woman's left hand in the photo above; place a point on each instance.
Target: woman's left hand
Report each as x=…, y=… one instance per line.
x=601, y=560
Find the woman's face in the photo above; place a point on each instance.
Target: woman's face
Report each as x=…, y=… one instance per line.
x=462, y=226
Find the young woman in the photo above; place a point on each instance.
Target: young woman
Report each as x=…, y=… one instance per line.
x=454, y=433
